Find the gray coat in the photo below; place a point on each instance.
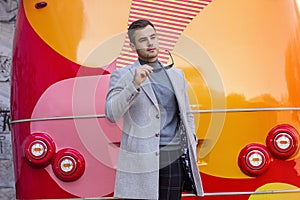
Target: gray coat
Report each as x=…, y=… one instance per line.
x=138, y=163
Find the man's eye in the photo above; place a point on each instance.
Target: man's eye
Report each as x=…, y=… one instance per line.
x=142, y=40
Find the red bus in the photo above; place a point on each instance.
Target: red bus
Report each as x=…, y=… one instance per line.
x=241, y=60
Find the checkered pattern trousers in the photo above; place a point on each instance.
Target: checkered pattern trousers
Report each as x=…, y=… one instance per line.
x=171, y=175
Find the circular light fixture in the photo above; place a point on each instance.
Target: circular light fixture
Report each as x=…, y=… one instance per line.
x=283, y=141
x=39, y=149
x=254, y=159
x=68, y=164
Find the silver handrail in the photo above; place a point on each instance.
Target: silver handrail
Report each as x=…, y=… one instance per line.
x=229, y=110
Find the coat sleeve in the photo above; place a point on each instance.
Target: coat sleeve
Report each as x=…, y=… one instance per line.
x=121, y=94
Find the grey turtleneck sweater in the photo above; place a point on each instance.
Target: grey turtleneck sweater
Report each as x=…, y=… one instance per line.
x=169, y=112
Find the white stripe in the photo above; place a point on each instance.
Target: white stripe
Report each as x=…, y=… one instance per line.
x=161, y=19
x=167, y=12
x=174, y=10
x=187, y=6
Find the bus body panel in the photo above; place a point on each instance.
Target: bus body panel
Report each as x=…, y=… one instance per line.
x=241, y=62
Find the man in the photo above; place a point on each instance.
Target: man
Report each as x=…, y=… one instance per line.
x=158, y=146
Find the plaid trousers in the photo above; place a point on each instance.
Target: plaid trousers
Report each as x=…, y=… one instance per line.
x=171, y=175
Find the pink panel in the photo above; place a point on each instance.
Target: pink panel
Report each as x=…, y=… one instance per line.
x=93, y=137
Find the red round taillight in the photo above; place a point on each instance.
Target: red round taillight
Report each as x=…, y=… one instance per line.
x=68, y=164
x=254, y=159
x=283, y=141
x=39, y=149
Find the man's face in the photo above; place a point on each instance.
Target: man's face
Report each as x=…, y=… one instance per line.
x=146, y=43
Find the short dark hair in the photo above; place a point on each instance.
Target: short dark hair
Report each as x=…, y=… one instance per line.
x=138, y=24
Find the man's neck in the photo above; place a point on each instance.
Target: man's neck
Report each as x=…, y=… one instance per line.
x=147, y=61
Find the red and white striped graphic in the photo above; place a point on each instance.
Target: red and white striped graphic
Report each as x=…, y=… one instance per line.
x=170, y=18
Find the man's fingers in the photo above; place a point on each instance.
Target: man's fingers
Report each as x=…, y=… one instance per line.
x=141, y=73
x=145, y=71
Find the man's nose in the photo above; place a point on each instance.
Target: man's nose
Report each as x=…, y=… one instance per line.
x=149, y=42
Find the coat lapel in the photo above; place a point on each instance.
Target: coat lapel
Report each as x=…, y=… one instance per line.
x=146, y=86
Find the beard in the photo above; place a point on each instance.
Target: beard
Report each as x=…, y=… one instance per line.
x=147, y=55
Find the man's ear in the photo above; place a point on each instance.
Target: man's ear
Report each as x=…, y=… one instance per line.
x=132, y=46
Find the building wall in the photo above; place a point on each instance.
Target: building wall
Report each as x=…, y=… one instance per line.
x=8, y=11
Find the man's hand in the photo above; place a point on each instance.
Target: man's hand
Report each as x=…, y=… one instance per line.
x=141, y=74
